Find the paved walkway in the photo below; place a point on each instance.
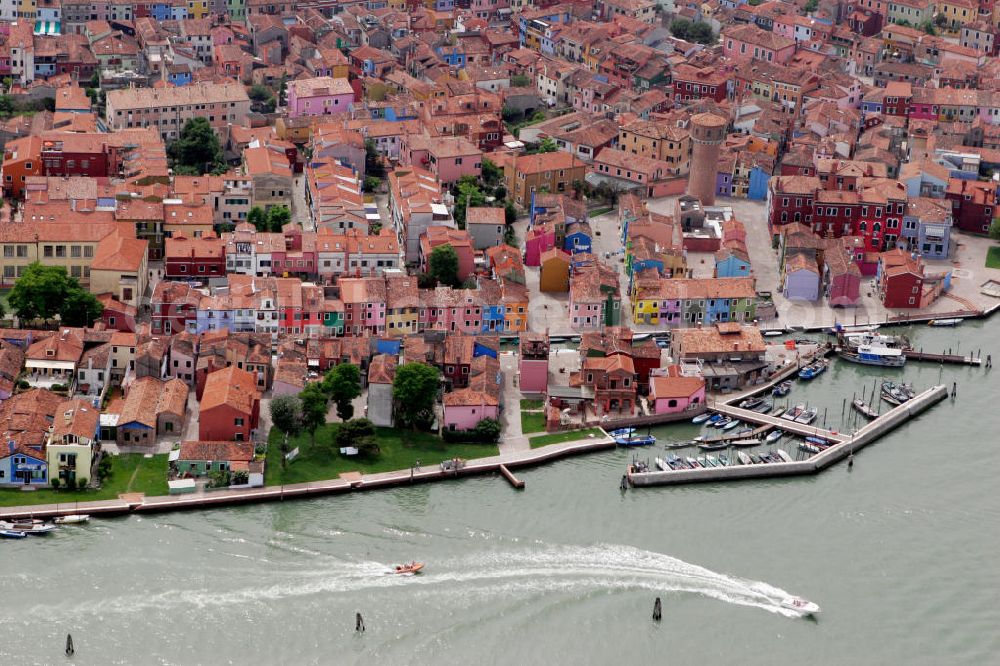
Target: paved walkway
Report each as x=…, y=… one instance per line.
x=513, y=439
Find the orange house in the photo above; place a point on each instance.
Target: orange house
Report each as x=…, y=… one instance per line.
x=21, y=158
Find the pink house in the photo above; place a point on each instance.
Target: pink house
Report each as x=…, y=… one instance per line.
x=465, y=407
x=447, y=157
x=319, y=96
x=447, y=309
x=459, y=239
x=538, y=239
x=534, y=363
x=675, y=392
x=748, y=42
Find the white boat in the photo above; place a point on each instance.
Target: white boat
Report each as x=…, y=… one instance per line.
x=72, y=519
x=808, y=416
x=28, y=526
x=773, y=334
x=800, y=605
x=743, y=458
x=774, y=436
x=944, y=322
x=662, y=464
x=783, y=455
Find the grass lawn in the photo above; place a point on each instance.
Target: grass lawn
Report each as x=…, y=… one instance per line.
x=532, y=422
x=600, y=211
x=559, y=437
x=400, y=449
x=993, y=257
x=531, y=404
x=130, y=473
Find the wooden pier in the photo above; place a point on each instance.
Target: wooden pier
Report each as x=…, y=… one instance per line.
x=774, y=421
x=954, y=359
x=846, y=446
x=513, y=480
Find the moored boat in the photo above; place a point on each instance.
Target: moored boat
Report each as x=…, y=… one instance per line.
x=894, y=393
x=715, y=418
x=701, y=418
x=808, y=416
x=72, y=519
x=635, y=440
x=723, y=460
x=693, y=463
x=814, y=369
x=811, y=449
x=622, y=432
x=717, y=446
x=732, y=424
x=681, y=445
x=751, y=441
x=944, y=322
x=794, y=412
x=662, y=464
x=862, y=407
x=723, y=422
x=12, y=534
x=751, y=403
x=782, y=389
x=783, y=455
x=28, y=526
x=764, y=407
x=743, y=458
x=774, y=436
x=818, y=441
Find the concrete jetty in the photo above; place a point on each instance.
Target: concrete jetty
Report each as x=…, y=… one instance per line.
x=953, y=359
x=846, y=445
x=509, y=475
x=775, y=421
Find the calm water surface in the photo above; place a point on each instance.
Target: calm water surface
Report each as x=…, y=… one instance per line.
x=899, y=552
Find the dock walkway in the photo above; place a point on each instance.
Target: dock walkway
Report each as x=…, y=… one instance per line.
x=846, y=446
x=954, y=359
x=775, y=421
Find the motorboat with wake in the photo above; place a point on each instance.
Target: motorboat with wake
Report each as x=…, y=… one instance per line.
x=800, y=605
x=408, y=569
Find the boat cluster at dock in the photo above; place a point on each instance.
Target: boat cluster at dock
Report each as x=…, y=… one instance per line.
x=18, y=529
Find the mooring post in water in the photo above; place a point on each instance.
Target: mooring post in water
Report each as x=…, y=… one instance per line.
x=624, y=484
x=69, y=645
x=359, y=622
x=954, y=389
x=657, y=610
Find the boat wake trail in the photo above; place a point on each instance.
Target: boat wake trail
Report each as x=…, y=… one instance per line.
x=574, y=570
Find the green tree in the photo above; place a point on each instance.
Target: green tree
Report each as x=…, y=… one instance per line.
x=680, y=28
x=811, y=6
x=414, y=390
x=509, y=212
x=197, y=149
x=80, y=307
x=95, y=79
x=372, y=183
x=928, y=27
x=520, y=81
x=286, y=414
x=995, y=230
x=269, y=220
x=258, y=92
x=314, y=404
x=467, y=195
x=45, y=291
x=487, y=430
x=940, y=20
x=373, y=160
x=547, y=145
x=342, y=383
x=701, y=33
x=443, y=265
x=359, y=433
x=492, y=174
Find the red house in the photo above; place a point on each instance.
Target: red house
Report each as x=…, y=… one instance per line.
x=973, y=204
x=230, y=406
x=900, y=280
x=172, y=306
x=790, y=199
x=117, y=316
x=692, y=82
x=199, y=258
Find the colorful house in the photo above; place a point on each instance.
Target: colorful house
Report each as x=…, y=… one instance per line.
x=578, y=237
x=801, y=278
x=322, y=95
x=533, y=363
x=554, y=273
x=70, y=450
x=23, y=466
x=732, y=260
x=198, y=458
x=537, y=240
x=675, y=392
x=464, y=408
x=900, y=280
x=230, y=406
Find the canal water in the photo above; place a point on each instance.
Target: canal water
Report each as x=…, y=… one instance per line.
x=900, y=552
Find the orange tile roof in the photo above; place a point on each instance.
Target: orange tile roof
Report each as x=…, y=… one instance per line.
x=118, y=253
x=230, y=386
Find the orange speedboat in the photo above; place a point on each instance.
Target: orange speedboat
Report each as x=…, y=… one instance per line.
x=411, y=568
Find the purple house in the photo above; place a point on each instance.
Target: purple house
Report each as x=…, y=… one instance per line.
x=319, y=96
x=801, y=278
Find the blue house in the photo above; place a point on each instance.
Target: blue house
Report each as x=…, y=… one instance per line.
x=160, y=11
x=453, y=55
x=480, y=349
x=578, y=237
x=927, y=228
x=493, y=322
x=732, y=261
x=179, y=75
x=757, y=187
x=21, y=466
x=384, y=346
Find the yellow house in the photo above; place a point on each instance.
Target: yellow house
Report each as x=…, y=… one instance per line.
x=515, y=302
x=70, y=449
x=646, y=306
x=119, y=268
x=27, y=10
x=959, y=12
x=402, y=305
x=197, y=9
x=658, y=140
x=189, y=220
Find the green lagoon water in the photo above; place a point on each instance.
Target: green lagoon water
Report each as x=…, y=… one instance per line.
x=900, y=552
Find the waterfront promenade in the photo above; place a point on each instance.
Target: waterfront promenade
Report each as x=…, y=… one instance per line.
x=346, y=483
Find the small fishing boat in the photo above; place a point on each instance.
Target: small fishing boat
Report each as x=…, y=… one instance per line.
x=811, y=449
x=29, y=526
x=72, y=519
x=751, y=441
x=773, y=333
x=708, y=461
x=783, y=455
x=622, y=432
x=908, y=391
x=408, y=569
x=12, y=534
x=723, y=460
x=693, y=463
x=662, y=464
x=808, y=416
x=635, y=440
x=755, y=459
x=813, y=370
x=751, y=403
x=794, y=413
x=774, y=436
x=862, y=407
x=944, y=322
x=800, y=606
x=732, y=424
x=681, y=445
x=675, y=463
x=782, y=389
x=723, y=422
x=764, y=407
x=894, y=393
x=701, y=418
x=743, y=458
x=717, y=446
x=715, y=418
x=818, y=441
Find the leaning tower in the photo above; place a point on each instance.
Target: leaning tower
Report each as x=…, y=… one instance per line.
x=708, y=130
